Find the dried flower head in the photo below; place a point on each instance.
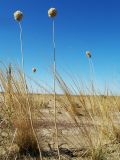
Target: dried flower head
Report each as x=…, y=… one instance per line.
x=52, y=12
x=33, y=70
x=18, y=15
x=88, y=54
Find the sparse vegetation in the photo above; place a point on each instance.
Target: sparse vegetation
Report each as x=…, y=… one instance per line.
x=49, y=126
x=88, y=126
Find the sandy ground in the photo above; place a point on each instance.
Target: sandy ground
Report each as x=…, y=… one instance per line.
x=73, y=142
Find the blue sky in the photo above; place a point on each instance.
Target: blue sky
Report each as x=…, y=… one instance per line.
x=79, y=26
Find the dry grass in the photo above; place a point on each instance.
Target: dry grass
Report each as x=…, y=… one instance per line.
x=88, y=126
x=17, y=106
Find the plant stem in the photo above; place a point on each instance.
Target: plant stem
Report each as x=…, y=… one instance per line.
x=54, y=84
x=21, y=46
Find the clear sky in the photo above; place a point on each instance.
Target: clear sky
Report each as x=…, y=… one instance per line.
x=80, y=25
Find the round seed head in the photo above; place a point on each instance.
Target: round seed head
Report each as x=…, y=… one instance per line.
x=18, y=15
x=33, y=70
x=88, y=54
x=52, y=12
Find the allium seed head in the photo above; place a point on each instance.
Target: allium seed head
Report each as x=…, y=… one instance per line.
x=33, y=70
x=18, y=15
x=88, y=54
x=52, y=12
